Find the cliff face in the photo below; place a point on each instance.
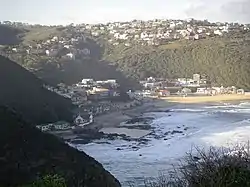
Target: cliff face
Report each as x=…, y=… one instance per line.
x=26, y=153
x=24, y=92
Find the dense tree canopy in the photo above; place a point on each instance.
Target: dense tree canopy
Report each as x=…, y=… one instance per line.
x=226, y=61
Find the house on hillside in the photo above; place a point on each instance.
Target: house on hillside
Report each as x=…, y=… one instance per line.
x=81, y=121
x=61, y=125
x=45, y=127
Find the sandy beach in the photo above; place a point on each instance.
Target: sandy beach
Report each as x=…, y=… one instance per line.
x=206, y=99
x=110, y=123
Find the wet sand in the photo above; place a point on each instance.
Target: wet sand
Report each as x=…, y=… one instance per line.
x=206, y=99
x=110, y=123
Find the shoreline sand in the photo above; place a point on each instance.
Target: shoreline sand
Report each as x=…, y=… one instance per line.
x=110, y=123
x=207, y=99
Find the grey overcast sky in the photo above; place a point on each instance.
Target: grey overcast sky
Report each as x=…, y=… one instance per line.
x=98, y=11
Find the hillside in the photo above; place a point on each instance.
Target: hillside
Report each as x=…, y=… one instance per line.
x=10, y=35
x=22, y=91
x=223, y=60
x=26, y=153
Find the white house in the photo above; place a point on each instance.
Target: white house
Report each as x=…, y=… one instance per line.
x=61, y=125
x=45, y=128
x=172, y=25
x=70, y=55
x=79, y=120
x=218, y=32
x=55, y=38
x=87, y=81
x=14, y=49
x=47, y=52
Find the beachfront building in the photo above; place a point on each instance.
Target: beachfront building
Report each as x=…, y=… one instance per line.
x=81, y=122
x=60, y=125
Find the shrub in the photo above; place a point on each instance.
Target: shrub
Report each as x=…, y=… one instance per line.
x=48, y=181
x=212, y=168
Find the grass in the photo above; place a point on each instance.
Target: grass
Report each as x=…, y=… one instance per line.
x=43, y=33
x=174, y=45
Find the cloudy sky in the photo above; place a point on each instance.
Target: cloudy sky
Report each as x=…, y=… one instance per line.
x=97, y=11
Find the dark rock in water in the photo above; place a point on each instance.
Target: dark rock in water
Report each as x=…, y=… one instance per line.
x=140, y=154
x=167, y=110
x=103, y=143
x=111, y=138
x=144, y=140
x=176, y=132
x=134, y=147
x=118, y=149
x=166, y=138
x=142, y=127
x=80, y=141
x=140, y=119
x=169, y=115
x=167, y=133
x=183, y=134
x=178, y=127
x=186, y=128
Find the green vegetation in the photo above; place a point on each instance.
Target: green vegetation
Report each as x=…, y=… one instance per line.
x=22, y=91
x=27, y=155
x=225, y=60
x=213, y=168
x=10, y=35
x=48, y=181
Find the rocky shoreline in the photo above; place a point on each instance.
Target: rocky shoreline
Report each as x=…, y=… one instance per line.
x=129, y=125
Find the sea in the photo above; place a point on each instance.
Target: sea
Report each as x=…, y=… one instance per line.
x=176, y=133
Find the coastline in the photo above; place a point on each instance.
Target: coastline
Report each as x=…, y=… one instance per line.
x=207, y=99
x=111, y=125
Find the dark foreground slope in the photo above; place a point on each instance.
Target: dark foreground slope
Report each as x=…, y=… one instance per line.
x=26, y=153
x=22, y=91
x=10, y=35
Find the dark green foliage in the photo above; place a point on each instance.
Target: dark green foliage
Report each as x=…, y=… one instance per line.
x=217, y=168
x=48, y=181
x=213, y=168
x=224, y=60
x=10, y=35
x=27, y=154
x=22, y=91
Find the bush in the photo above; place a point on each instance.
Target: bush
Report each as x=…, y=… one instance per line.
x=212, y=168
x=48, y=181
x=217, y=167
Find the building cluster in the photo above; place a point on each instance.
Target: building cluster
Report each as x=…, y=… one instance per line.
x=87, y=91
x=160, y=31
x=198, y=85
x=68, y=45
x=79, y=121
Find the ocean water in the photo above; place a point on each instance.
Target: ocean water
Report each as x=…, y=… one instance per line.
x=199, y=126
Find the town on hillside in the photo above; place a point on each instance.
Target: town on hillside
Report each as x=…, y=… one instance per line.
x=93, y=98
x=66, y=44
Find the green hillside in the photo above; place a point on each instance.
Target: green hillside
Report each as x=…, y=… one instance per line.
x=24, y=92
x=27, y=154
x=224, y=60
